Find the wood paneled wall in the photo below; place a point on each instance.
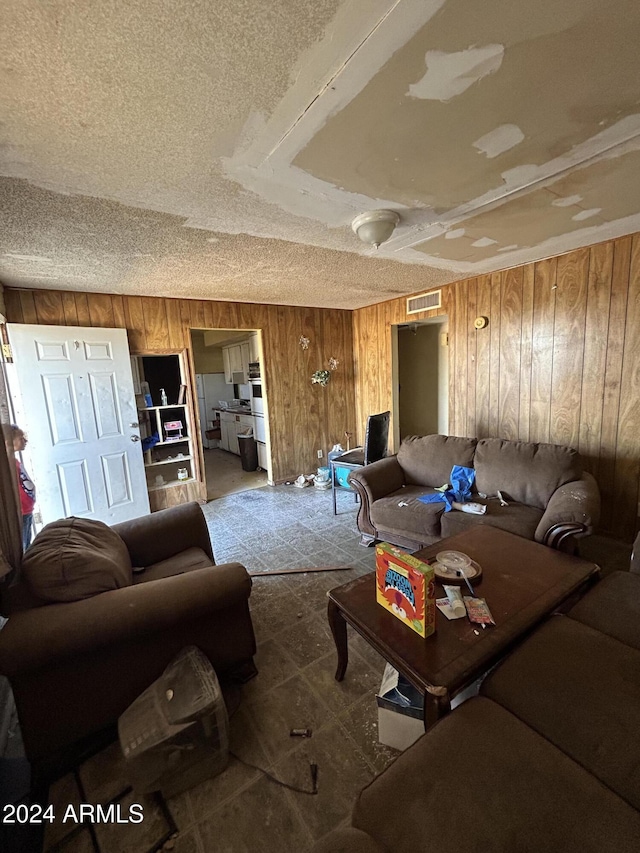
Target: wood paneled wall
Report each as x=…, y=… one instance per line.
x=303, y=418
x=558, y=362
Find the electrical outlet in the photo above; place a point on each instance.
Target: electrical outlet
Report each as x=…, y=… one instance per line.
x=320, y=454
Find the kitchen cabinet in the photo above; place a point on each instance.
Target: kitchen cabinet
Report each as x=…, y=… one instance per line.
x=229, y=432
x=224, y=433
x=236, y=358
x=234, y=447
x=231, y=424
x=226, y=366
x=262, y=455
x=245, y=352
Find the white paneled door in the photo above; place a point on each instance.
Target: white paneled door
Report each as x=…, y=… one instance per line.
x=73, y=394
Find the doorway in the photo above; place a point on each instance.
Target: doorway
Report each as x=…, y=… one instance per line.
x=231, y=404
x=420, y=378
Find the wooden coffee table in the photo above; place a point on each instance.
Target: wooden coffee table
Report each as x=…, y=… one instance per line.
x=522, y=581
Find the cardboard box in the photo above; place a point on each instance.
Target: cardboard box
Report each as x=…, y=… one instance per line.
x=400, y=711
x=405, y=587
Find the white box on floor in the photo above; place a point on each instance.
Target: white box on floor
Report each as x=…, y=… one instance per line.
x=400, y=711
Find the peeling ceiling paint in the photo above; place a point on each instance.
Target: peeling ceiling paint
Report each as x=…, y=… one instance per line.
x=498, y=141
x=222, y=150
x=450, y=74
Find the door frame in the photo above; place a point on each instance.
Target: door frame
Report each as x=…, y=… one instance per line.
x=443, y=374
x=185, y=360
x=265, y=394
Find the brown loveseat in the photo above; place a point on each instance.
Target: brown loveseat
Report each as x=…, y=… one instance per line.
x=75, y=665
x=546, y=759
x=550, y=498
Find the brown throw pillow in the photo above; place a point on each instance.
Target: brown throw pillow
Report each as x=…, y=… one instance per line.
x=75, y=558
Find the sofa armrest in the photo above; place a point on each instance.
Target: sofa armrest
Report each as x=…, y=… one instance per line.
x=161, y=535
x=43, y=636
x=371, y=483
x=572, y=511
x=378, y=479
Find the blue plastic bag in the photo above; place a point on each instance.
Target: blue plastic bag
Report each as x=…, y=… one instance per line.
x=150, y=441
x=461, y=480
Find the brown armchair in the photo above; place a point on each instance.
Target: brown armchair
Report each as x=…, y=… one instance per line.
x=74, y=667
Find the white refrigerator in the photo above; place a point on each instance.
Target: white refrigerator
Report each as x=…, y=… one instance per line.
x=210, y=388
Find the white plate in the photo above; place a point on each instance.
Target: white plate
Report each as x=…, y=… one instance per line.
x=443, y=573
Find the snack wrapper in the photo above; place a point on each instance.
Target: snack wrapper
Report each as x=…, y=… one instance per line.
x=478, y=611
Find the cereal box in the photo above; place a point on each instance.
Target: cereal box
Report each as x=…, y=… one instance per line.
x=405, y=587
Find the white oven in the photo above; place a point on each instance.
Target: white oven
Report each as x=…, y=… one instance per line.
x=257, y=400
x=260, y=430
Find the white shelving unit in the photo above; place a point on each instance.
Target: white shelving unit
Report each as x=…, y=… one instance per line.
x=160, y=456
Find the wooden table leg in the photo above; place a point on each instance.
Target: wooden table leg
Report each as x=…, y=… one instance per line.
x=339, y=630
x=435, y=707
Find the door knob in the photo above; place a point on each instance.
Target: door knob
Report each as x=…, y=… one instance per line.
x=135, y=438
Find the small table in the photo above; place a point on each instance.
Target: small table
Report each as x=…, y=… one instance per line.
x=522, y=581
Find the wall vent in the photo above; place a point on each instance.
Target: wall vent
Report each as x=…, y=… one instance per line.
x=424, y=302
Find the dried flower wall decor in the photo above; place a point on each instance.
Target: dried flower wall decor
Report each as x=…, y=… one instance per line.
x=321, y=377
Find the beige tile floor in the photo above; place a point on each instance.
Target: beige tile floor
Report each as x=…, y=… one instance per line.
x=224, y=474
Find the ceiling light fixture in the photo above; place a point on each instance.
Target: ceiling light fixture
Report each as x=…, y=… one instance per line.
x=375, y=226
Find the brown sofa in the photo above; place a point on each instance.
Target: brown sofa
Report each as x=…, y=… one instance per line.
x=546, y=758
x=74, y=666
x=550, y=498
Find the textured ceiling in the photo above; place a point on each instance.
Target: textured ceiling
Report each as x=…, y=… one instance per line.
x=220, y=150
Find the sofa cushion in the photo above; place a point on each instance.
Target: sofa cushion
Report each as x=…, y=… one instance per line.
x=516, y=518
x=415, y=520
x=613, y=607
x=347, y=840
x=185, y=561
x=518, y=792
x=580, y=689
x=427, y=460
x=526, y=472
x=75, y=558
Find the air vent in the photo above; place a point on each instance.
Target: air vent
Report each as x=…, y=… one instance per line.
x=424, y=302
